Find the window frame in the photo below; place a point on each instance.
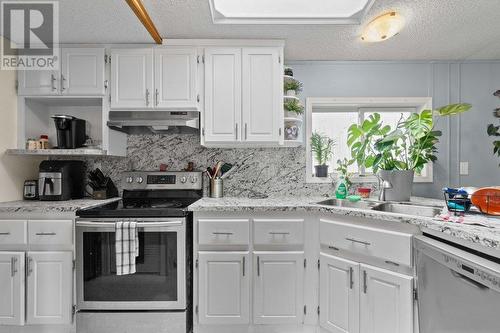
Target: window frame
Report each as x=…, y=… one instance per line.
x=418, y=103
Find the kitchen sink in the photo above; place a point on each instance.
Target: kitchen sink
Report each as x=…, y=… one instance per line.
x=408, y=209
x=349, y=204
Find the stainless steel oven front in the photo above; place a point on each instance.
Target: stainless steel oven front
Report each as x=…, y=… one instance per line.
x=160, y=280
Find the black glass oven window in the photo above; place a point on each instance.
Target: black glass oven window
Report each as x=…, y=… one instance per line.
x=156, y=265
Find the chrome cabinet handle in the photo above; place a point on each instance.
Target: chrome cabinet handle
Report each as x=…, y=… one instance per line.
x=45, y=234
x=278, y=233
x=258, y=266
x=147, y=97
x=364, y=282
x=358, y=241
x=53, y=81
x=351, y=281
x=4, y=233
x=62, y=82
x=244, y=263
x=13, y=269
x=246, y=131
x=222, y=233
x=29, y=270
x=156, y=97
x=236, y=130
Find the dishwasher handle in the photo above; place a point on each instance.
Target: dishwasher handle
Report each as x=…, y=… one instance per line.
x=468, y=280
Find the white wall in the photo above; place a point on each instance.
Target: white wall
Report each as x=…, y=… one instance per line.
x=13, y=169
x=464, y=137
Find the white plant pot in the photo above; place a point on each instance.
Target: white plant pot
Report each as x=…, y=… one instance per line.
x=291, y=93
x=289, y=114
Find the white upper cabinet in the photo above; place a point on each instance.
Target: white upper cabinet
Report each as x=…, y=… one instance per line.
x=278, y=287
x=243, y=96
x=339, y=294
x=175, y=78
x=222, y=115
x=224, y=288
x=12, y=288
x=262, y=94
x=132, y=78
x=49, y=287
x=82, y=71
x=386, y=301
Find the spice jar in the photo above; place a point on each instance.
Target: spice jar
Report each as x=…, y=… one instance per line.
x=31, y=144
x=43, y=143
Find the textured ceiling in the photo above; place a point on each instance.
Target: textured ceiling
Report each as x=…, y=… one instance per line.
x=435, y=30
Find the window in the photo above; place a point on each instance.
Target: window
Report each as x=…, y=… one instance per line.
x=334, y=116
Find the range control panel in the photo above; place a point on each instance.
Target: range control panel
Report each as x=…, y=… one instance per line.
x=169, y=180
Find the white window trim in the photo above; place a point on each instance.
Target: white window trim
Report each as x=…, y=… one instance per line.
x=419, y=103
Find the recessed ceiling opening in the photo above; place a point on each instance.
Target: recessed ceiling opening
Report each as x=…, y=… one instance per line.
x=289, y=11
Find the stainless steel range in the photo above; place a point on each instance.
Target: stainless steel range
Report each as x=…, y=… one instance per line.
x=161, y=289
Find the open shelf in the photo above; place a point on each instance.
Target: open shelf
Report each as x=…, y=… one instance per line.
x=57, y=152
x=293, y=143
x=291, y=98
x=298, y=120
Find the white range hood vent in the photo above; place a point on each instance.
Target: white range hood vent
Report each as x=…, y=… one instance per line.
x=154, y=121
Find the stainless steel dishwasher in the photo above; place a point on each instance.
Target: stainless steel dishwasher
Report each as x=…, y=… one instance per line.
x=458, y=290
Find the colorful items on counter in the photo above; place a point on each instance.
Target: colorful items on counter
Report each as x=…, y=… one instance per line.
x=364, y=192
x=42, y=143
x=341, y=191
x=487, y=200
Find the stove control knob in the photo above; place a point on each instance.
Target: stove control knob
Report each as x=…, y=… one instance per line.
x=139, y=180
x=194, y=179
x=183, y=179
x=129, y=180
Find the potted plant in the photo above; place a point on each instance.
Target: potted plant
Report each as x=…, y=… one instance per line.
x=321, y=147
x=292, y=87
x=397, y=153
x=495, y=132
x=342, y=166
x=293, y=108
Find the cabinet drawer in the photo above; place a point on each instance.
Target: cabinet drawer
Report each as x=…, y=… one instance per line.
x=53, y=232
x=278, y=232
x=13, y=232
x=223, y=232
x=384, y=244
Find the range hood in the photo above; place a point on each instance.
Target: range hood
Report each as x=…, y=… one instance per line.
x=155, y=121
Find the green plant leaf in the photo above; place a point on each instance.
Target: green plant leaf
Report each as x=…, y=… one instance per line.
x=453, y=109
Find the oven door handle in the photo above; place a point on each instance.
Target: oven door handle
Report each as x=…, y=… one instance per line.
x=108, y=224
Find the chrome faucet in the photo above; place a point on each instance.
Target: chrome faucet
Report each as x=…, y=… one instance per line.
x=382, y=186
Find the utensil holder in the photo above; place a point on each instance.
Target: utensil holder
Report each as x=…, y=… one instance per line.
x=216, y=188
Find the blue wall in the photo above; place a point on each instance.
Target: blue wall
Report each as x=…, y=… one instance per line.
x=464, y=137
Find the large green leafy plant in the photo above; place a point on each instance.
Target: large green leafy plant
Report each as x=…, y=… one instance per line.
x=321, y=146
x=495, y=132
x=409, y=146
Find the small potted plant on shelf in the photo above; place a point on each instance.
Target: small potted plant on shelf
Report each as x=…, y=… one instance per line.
x=321, y=147
x=396, y=154
x=293, y=108
x=292, y=87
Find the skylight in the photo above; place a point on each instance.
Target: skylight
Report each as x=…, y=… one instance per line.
x=289, y=11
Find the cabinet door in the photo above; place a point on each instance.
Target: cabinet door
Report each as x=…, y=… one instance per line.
x=339, y=294
x=132, y=78
x=222, y=116
x=32, y=83
x=175, y=78
x=386, y=301
x=12, y=288
x=82, y=71
x=262, y=94
x=224, y=288
x=278, y=287
x=49, y=283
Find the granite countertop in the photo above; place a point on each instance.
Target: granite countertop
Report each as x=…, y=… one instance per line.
x=36, y=206
x=481, y=235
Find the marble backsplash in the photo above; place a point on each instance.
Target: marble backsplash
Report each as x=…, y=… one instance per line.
x=271, y=171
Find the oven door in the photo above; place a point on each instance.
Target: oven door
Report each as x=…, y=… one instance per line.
x=160, y=279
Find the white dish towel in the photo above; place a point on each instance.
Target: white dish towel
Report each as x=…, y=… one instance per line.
x=127, y=247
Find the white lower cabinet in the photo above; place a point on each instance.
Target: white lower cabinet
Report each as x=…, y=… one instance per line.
x=11, y=288
x=339, y=294
x=278, y=287
x=224, y=288
x=49, y=287
x=386, y=301
x=356, y=297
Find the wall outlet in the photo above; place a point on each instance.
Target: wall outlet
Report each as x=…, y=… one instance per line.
x=464, y=168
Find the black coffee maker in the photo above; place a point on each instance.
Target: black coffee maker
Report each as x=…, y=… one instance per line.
x=70, y=131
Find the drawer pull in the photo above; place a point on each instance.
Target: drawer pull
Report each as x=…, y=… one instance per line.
x=278, y=233
x=333, y=248
x=391, y=263
x=222, y=233
x=13, y=269
x=4, y=233
x=45, y=234
x=358, y=241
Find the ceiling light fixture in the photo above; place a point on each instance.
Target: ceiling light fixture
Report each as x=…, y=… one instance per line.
x=383, y=27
